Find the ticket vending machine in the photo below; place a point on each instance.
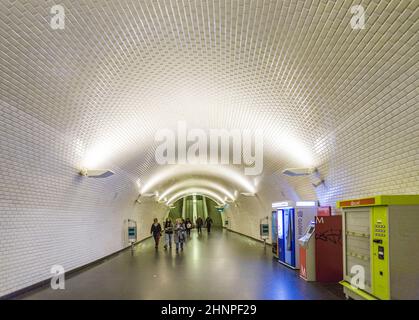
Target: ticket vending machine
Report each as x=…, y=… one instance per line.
x=292, y=219
x=321, y=248
x=380, y=247
x=308, y=254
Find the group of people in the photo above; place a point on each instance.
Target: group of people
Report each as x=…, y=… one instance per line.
x=178, y=231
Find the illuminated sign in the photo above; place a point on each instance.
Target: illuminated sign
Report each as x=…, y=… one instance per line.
x=358, y=202
x=306, y=203
x=280, y=204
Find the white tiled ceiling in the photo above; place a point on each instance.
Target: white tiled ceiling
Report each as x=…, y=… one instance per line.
x=122, y=69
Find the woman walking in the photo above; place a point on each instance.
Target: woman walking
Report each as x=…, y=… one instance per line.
x=179, y=235
x=168, y=233
x=188, y=225
x=156, y=232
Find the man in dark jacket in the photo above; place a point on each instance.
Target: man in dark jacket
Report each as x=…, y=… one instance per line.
x=199, y=223
x=208, y=222
x=156, y=232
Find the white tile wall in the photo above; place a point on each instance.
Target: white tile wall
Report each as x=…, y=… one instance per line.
x=379, y=155
x=48, y=213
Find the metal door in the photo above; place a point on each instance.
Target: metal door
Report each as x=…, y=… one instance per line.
x=275, y=233
x=289, y=237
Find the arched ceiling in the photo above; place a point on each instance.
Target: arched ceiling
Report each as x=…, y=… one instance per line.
x=122, y=70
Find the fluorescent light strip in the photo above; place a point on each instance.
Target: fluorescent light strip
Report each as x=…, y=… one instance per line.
x=198, y=183
x=206, y=192
x=177, y=171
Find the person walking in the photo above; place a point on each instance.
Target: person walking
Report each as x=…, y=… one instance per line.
x=168, y=233
x=199, y=223
x=184, y=229
x=208, y=223
x=156, y=232
x=188, y=225
x=179, y=235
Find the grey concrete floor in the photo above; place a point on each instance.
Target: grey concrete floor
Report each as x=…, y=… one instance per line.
x=221, y=265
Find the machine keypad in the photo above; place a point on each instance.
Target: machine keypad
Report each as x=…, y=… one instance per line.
x=380, y=230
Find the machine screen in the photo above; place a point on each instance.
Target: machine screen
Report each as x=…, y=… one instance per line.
x=280, y=222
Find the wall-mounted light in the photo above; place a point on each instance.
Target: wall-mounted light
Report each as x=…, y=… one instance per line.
x=316, y=180
x=295, y=172
x=247, y=194
x=148, y=195
x=98, y=173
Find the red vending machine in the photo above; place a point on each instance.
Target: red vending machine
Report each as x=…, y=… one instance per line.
x=308, y=254
x=329, y=256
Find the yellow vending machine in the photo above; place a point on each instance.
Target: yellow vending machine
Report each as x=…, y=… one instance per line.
x=381, y=247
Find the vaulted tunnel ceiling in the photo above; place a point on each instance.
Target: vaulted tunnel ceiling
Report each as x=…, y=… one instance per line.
x=122, y=70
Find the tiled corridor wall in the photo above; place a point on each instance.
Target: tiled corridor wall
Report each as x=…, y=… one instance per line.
x=246, y=214
x=48, y=213
x=373, y=151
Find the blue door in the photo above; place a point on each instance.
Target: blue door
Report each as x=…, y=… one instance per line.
x=275, y=233
x=289, y=236
x=281, y=242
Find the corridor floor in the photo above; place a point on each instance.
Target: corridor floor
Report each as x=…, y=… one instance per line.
x=221, y=265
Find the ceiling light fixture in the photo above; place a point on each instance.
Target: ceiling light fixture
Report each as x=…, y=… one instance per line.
x=148, y=195
x=296, y=172
x=247, y=194
x=98, y=173
x=317, y=182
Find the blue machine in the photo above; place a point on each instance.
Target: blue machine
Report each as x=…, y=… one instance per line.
x=291, y=220
x=286, y=239
x=275, y=233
